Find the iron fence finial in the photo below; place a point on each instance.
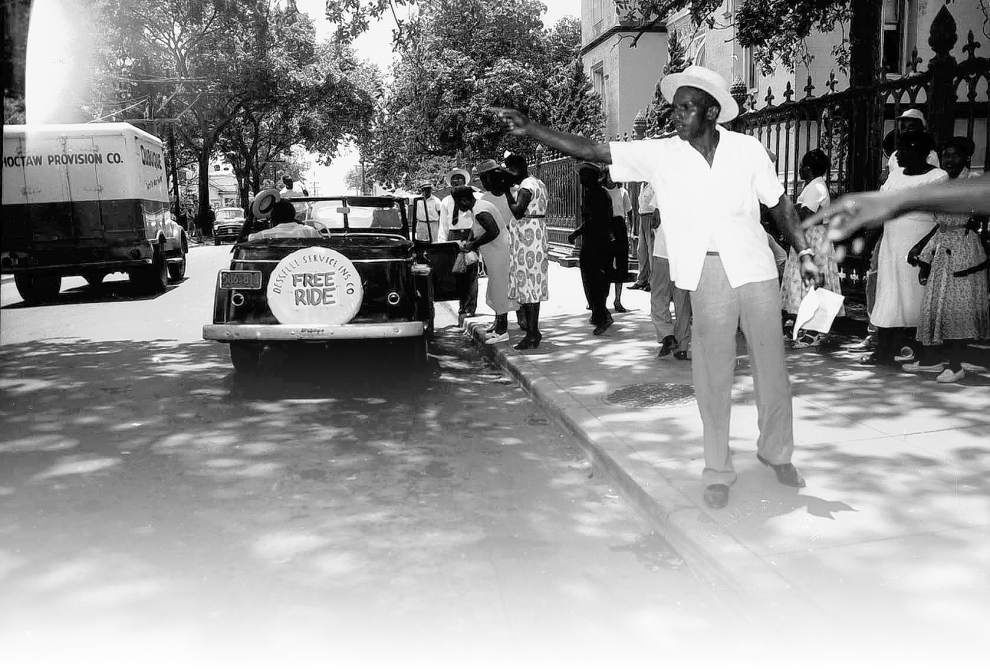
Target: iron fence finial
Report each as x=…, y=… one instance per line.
x=971, y=46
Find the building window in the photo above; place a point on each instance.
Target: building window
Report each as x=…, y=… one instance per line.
x=696, y=49
x=599, y=10
x=598, y=84
x=752, y=73
x=896, y=40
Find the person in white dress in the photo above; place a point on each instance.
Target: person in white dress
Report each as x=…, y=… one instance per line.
x=495, y=254
x=899, y=293
x=456, y=225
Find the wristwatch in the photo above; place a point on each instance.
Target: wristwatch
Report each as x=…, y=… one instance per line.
x=805, y=252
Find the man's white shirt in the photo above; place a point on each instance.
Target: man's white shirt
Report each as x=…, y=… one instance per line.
x=707, y=208
x=464, y=219
x=621, y=202
x=428, y=207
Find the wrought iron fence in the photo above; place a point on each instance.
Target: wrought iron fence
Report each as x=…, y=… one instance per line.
x=954, y=96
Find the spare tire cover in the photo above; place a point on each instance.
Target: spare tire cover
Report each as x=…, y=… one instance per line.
x=315, y=285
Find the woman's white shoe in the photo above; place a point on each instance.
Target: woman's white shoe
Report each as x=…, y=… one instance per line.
x=949, y=375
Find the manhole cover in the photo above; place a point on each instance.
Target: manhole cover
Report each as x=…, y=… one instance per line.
x=651, y=395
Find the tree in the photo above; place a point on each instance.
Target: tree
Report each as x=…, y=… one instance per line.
x=469, y=59
x=314, y=95
x=185, y=54
x=658, y=113
x=574, y=105
x=776, y=30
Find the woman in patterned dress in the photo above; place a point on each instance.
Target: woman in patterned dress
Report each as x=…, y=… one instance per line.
x=814, y=167
x=953, y=269
x=528, y=259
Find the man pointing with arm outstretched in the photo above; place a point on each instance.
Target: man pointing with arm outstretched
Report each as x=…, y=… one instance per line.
x=710, y=182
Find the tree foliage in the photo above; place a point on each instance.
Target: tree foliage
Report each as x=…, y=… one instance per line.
x=243, y=78
x=469, y=59
x=775, y=29
x=658, y=113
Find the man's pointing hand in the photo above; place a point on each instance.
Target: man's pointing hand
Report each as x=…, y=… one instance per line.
x=517, y=120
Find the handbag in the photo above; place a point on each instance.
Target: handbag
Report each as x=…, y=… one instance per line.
x=464, y=261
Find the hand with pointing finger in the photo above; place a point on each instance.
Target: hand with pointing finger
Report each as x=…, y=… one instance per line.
x=854, y=211
x=517, y=120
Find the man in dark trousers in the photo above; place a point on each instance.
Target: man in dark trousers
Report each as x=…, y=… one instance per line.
x=596, y=244
x=710, y=182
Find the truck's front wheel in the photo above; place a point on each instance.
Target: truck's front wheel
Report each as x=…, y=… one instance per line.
x=35, y=289
x=177, y=267
x=154, y=278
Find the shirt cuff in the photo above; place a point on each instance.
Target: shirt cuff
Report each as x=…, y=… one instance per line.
x=623, y=168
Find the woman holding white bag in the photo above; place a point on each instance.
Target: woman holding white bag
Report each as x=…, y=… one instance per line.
x=814, y=167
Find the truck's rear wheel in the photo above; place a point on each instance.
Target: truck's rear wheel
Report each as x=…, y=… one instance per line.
x=177, y=267
x=246, y=357
x=153, y=279
x=35, y=289
x=94, y=279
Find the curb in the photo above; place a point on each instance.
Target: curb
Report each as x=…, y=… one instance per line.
x=736, y=573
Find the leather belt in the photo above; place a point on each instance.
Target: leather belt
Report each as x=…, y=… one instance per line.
x=712, y=253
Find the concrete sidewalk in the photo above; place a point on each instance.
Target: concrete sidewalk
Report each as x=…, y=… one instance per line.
x=892, y=534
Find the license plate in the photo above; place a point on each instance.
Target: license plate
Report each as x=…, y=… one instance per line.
x=240, y=279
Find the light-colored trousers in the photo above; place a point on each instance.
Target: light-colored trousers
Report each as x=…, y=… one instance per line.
x=644, y=246
x=662, y=291
x=718, y=310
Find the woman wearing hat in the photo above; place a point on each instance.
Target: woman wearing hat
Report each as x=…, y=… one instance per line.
x=597, y=244
x=495, y=181
x=528, y=257
x=898, y=302
x=487, y=237
x=710, y=182
x=456, y=225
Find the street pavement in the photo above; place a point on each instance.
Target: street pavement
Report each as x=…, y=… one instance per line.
x=885, y=554
x=338, y=512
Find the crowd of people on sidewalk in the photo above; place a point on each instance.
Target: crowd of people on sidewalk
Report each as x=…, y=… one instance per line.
x=502, y=227
x=706, y=193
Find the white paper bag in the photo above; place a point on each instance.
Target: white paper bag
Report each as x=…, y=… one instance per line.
x=817, y=311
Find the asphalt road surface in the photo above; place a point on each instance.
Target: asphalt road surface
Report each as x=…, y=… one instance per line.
x=341, y=511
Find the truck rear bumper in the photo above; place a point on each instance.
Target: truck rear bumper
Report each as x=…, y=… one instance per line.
x=311, y=332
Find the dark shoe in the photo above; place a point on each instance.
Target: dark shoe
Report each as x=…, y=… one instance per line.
x=646, y=287
x=716, y=496
x=525, y=343
x=619, y=307
x=636, y=285
x=667, y=346
x=786, y=473
x=876, y=359
x=682, y=355
x=601, y=328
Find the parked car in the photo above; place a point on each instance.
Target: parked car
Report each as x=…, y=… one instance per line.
x=89, y=200
x=363, y=277
x=227, y=228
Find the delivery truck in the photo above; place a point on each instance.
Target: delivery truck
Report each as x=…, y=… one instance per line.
x=89, y=200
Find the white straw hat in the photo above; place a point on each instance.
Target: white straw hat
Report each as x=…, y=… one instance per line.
x=708, y=81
